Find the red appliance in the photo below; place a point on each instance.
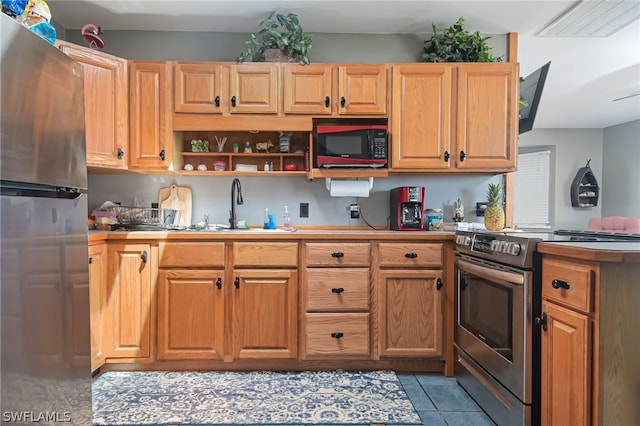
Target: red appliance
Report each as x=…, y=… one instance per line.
x=407, y=208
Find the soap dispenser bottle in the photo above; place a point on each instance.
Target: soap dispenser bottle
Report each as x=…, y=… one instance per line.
x=266, y=219
x=286, y=220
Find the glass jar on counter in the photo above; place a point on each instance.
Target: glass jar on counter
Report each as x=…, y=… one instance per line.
x=434, y=219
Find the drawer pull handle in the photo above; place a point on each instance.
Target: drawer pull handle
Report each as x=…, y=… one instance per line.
x=411, y=255
x=560, y=284
x=337, y=335
x=337, y=290
x=337, y=254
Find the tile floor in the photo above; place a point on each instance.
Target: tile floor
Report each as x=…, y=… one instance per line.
x=440, y=401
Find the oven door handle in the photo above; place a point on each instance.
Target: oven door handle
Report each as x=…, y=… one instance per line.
x=490, y=274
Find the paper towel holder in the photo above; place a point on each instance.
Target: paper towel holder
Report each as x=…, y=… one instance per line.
x=328, y=183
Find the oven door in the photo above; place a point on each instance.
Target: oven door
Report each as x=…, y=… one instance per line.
x=493, y=324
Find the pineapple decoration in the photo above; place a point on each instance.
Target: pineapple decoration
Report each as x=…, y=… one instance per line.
x=494, y=214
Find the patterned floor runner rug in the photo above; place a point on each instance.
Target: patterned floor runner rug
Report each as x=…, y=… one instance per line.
x=213, y=398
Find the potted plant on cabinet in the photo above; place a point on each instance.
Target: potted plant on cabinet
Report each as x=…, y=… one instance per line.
x=455, y=44
x=280, y=39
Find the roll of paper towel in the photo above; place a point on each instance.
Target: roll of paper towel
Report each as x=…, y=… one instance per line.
x=349, y=188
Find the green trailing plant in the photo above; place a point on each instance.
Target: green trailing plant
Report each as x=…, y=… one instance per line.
x=278, y=31
x=455, y=44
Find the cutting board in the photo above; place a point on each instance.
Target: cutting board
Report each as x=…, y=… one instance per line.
x=178, y=198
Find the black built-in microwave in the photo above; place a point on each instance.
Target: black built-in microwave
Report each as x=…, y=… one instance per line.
x=351, y=145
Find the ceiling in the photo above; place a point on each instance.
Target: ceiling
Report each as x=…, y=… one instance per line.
x=587, y=74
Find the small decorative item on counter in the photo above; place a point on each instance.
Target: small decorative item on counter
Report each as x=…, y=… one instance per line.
x=494, y=214
x=188, y=167
x=202, y=168
x=219, y=166
x=236, y=147
x=247, y=147
x=199, y=145
x=458, y=215
x=286, y=220
x=267, y=168
x=434, y=219
x=265, y=221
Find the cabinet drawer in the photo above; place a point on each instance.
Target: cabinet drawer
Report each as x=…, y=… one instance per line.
x=410, y=254
x=337, y=254
x=557, y=274
x=337, y=289
x=191, y=254
x=260, y=253
x=337, y=334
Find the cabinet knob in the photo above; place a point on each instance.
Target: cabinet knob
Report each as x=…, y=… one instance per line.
x=163, y=155
x=337, y=254
x=90, y=260
x=463, y=155
x=558, y=284
x=144, y=256
x=217, y=100
x=233, y=101
x=120, y=153
x=337, y=335
x=327, y=101
x=446, y=156
x=439, y=284
x=343, y=101
x=542, y=321
x=219, y=283
x=236, y=282
x=337, y=290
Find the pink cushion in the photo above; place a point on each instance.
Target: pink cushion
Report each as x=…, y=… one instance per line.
x=627, y=225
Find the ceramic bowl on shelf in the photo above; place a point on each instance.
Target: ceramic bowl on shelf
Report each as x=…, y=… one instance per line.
x=291, y=167
x=219, y=166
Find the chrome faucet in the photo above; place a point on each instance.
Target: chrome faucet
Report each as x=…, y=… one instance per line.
x=235, y=186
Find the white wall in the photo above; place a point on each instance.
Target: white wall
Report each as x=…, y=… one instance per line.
x=572, y=148
x=621, y=170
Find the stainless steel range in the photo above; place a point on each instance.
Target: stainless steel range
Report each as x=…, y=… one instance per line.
x=496, y=344
x=498, y=299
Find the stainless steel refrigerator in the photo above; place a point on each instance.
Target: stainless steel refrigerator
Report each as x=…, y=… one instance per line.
x=45, y=372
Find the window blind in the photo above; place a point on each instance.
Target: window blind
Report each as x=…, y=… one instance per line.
x=531, y=190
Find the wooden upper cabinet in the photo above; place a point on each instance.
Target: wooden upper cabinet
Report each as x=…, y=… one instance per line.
x=487, y=116
x=421, y=116
x=362, y=89
x=105, y=105
x=151, y=136
x=307, y=89
x=197, y=87
x=254, y=88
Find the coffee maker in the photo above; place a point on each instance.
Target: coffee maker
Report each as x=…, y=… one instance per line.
x=407, y=207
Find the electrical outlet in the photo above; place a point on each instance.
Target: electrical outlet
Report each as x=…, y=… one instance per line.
x=304, y=209
x=354, y=209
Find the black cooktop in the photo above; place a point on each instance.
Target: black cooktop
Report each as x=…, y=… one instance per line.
x=579, y=235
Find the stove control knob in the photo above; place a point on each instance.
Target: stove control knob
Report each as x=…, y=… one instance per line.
x=514, y=249
x=495, y=245
x=504, y=246
x=463, y=240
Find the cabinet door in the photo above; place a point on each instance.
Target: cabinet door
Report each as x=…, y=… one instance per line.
x=421, y=116
x=411, y=313
x=254, y=88
x=197, y=87
x=265, y=305
x=150, y=115
x=362, y=89
x=306, y=89
x=190, y=314
x=565, y=367
x=97, y=301
x=105, y=105
x=487, y=117
x=127, y=325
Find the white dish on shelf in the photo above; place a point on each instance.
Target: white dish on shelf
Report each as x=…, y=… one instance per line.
x=246, y=168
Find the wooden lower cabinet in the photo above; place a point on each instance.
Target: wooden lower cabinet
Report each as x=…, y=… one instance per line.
x=590, y=342
x=97, y=301
x=130, y=313
x=265, y=321
x=190, y=314
x=565, y=378
x=411, y=313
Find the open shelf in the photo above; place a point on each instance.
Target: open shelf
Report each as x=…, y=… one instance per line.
x=584, y=188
